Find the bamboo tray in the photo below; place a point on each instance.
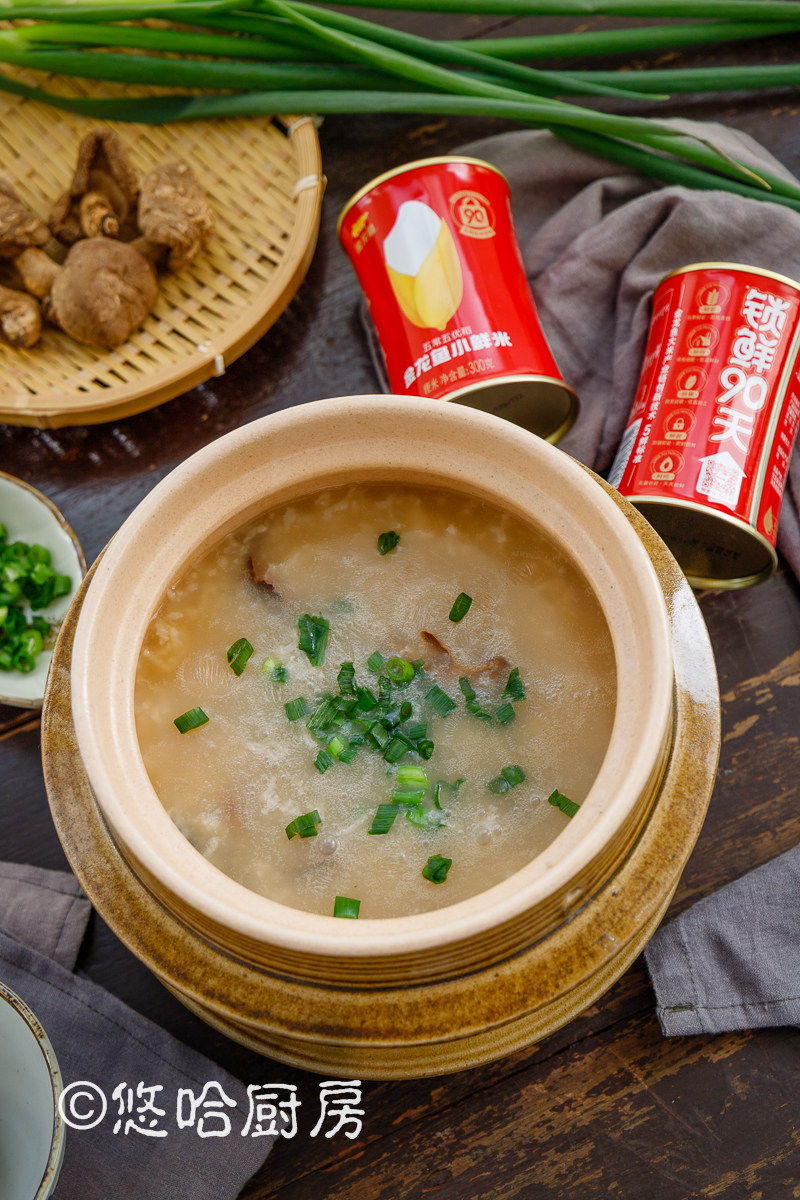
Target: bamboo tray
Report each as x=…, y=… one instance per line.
x=263, y=178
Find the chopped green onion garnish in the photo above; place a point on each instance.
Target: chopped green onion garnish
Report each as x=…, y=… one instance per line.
x=345, y=678
x=419, y=667
x=466, y=688
x=436, y=868
x=345, y=906
x=335, y=747
x=399, y=670
x=568, y=807
x=349, y=754
x=442, y=783
x=323, y=714
x=440, y=701
x=384, y=818
x=410, y=776
x=192, y=719
x=505, y=713
x=397, y=747
x=470, y=700
x=304, y=826
x=366, y=699
x=417, y=731
x=279, y=673
x=387, y=541
x=509, y=777
x=375, y=662
x=407, y=795
x=238, y=655
x=384, y=694
x=295, y=709
x=323, y=761
x=425, y=749
x=515, y=688
x=461, y=606
x=406, y=709
x=313, y=638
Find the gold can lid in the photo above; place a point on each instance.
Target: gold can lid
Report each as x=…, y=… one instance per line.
x=411, y=166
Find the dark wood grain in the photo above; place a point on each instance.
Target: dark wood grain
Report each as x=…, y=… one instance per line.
x=606, y=1106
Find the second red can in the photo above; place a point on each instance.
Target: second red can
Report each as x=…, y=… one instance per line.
x=434, y=248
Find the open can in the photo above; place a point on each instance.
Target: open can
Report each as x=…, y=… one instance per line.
x=434, y=249
x=706, y=450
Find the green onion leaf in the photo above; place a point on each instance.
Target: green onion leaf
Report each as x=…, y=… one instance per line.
x=345, y=679
x=387, y=541
x=323, y=714
x=398, y=746
x=366, y=699
x=442, y=783
x=425, y=748
x=346, y=906
x=323, y=761
x=384, y=818
x=461, y=607
x=412, y=796
x=436, y=868
x=335, y=747
x=412, y=776
x=509, y=777
x=417, y=731
x=295, y=709
x=568, y=807
x=304, y=826
x=514, y=689
x=505, y=713
x=384, y=694
x=375, y=662
x=238, y=654
x=313, y=639
x=440, y=701
x=405, y=711
x=192, y=719
x=279, y=673
x=400, y=671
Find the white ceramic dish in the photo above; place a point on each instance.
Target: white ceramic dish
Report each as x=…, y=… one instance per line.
x=30, y=517
x=32, y=1133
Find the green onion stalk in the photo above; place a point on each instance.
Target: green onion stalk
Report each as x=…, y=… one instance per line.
x=262, y=57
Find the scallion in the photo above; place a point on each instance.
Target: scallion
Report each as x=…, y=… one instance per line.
x=508, y=778
x=277, y=670
x=439, y=701
x=313, y=639
x=375, y=662
x=346, y=906
x=515, y=688
x=323, y=761
x=399, y=670
x=384, y=818
x=461, y=606
x=295, y=709
x=346, y=679
x=505, y=713
x=387, y=541
x=304, y=826
x=568, y=807
x=436, y=868
x=192, y=719
x=238, y=654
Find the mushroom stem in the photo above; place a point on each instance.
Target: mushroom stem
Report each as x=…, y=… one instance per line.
x=37, y=271
x=20, y=318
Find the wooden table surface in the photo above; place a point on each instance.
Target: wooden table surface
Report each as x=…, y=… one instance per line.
x=607, y=1106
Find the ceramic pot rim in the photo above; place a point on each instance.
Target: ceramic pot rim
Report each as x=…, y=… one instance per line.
x=291, y=453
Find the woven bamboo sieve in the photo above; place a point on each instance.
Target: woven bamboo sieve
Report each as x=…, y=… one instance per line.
x=263, y=179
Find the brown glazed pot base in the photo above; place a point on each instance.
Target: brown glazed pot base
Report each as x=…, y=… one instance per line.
x=425, y=1030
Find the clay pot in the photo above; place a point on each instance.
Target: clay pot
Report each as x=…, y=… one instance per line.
x=416, y=995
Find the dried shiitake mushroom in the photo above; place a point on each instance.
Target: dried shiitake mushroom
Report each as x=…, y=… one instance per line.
x=20, y=318
x=104, y=291
x=101, y=200
x=174, y=217
x=22, y=235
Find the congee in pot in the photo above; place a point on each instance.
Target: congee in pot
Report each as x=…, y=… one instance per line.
x=376, y=700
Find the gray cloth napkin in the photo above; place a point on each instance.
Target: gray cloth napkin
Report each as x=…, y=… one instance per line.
x=732, y=961
x=595, y=241
x=97, y=1038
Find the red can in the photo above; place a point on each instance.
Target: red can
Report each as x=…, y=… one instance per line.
x=435, y=252
x=707, y=447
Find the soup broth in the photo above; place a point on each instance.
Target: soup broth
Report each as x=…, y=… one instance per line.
x=527, y=673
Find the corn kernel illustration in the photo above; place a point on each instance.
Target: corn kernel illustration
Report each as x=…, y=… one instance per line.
x=423, y=266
